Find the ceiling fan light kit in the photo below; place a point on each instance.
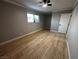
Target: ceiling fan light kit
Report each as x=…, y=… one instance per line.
x=45, y=3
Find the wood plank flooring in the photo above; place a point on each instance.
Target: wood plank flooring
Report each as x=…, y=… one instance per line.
x=40, y=45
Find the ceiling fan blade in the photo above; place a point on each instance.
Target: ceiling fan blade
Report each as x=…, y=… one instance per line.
x=48, y=1
x=44, y=1
x=49, y=4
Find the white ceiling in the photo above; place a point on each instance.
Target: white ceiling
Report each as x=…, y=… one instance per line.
x=58, y=5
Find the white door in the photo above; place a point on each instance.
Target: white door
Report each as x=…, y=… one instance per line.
x=64, y=21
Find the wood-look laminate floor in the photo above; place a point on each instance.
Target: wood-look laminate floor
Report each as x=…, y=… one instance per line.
x=40, y=45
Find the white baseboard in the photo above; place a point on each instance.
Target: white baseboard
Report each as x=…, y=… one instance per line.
x=5, y=42
x=68, y=50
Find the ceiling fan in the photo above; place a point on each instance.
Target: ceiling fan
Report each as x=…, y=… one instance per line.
x=45, y=3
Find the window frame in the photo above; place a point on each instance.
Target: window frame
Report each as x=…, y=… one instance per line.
x=33, y=17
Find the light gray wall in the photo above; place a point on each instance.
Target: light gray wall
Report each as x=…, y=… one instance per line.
x=55, y=21
x=72, y=34
x=13, y=21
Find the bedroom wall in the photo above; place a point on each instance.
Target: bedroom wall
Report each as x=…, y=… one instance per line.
x=72, y=34
x=13, y=21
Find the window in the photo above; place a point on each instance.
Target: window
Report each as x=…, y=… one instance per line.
x=32, y=18
x=36, y=18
